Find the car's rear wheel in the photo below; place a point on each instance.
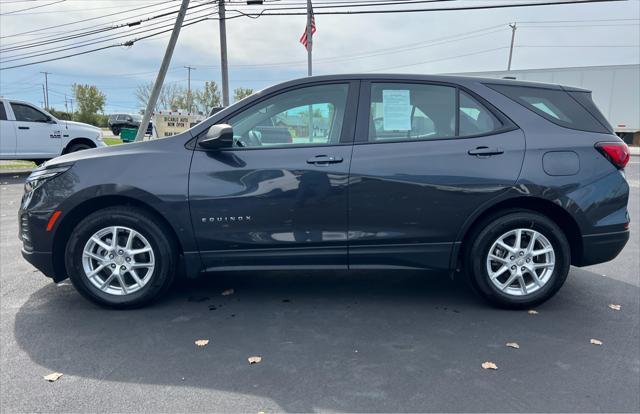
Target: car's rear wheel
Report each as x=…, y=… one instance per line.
x=116, y=131
x=120, y=257
x=518, y=259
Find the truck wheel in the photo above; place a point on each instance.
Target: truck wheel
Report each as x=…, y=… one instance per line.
x=116, y=131
x=518, y=259
x=78, y=147
x=120, y=257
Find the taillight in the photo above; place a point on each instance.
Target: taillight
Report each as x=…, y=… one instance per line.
x=616, y=152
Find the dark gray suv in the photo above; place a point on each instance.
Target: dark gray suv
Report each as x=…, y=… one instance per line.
x=508, y=183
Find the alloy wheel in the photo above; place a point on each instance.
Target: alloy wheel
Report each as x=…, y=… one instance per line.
x=520, y=262
x=118, y=260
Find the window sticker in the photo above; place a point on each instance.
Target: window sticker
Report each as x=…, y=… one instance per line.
x=396, y=110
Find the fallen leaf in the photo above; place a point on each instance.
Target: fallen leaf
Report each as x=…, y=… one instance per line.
x=533, y=312
x=596, y=342
x=202, y=342
x=254, y=360
x=513, y=345
x=614, y=307
x=228, y=292
x=53, y=376
x=489, y=365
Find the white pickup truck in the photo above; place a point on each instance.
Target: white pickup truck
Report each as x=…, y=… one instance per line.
x=28, y=132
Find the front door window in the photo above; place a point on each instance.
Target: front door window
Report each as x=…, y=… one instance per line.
x=307, y=116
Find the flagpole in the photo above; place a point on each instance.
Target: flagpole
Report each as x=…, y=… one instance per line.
x=309, y=65
x=309, y=39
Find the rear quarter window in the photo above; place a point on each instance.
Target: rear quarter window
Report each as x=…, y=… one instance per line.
x=3, y=112
x=558, y=106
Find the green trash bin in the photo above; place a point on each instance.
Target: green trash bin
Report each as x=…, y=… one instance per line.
x=128, y=134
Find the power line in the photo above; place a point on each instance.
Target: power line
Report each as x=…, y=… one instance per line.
x=34, y=7
x=421, y=10
x=94, y=40
x=128, y=43
x=333, y=12
x=27, y=45
x=85, y=20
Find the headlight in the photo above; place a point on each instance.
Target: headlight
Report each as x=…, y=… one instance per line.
x=40, y=176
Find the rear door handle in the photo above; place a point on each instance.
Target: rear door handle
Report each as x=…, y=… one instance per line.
x=485, y=151
x=23, y=127
x=324, y=160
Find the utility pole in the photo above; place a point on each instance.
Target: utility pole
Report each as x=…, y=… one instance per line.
x=66, y=108
x=163, y=71
x=46, y=87
x=44, y=97
x=223, y=53
x=513, y=37
x=189, y=96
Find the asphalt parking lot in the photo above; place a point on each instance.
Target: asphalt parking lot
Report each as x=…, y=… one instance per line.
x=361, y=341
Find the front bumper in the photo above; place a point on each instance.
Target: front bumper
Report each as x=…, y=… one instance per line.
x=37, y=246
x=43, y=261
x=600, y=248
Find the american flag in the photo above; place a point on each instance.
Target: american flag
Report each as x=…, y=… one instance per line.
x=303, y=38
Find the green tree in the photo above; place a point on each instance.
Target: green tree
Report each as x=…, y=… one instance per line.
x=241, y=93
x=64, y=116
x=207, y=98
x=90, y=101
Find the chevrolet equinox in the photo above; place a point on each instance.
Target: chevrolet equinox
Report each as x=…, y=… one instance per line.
x=508, y=183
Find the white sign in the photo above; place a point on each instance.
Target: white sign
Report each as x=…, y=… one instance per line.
x=396, y=110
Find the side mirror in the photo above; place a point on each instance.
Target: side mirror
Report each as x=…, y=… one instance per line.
x=218, y=136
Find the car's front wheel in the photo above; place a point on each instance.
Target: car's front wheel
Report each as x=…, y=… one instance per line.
x=518, y=259
x=120, y=257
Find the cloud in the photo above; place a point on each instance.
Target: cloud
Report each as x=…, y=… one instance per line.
x=265, y=51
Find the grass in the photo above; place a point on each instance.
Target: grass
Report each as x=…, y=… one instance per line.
x=112, y=141
x=16, y=165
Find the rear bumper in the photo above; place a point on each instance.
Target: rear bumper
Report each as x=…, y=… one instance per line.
x=599, y=248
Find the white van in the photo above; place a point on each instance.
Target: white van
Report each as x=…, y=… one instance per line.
x=28, y=132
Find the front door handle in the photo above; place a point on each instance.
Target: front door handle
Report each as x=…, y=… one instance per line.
x=23, y=127
x=485, y=151
x=324, y=160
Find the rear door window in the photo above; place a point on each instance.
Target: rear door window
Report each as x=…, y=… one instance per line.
x=557, y=106
x=404, y=111
x=417, y=111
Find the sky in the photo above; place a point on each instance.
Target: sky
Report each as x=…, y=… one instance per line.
x=265, y=50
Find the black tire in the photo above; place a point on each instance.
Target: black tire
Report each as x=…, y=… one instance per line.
x=78, y=147
x=116, y=131
x=489, y=230
x=142, y=222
